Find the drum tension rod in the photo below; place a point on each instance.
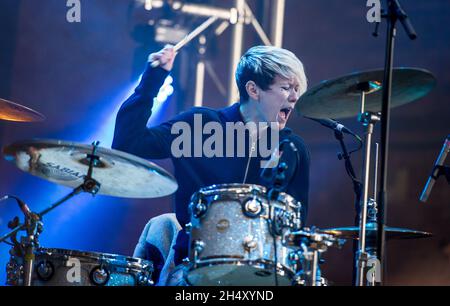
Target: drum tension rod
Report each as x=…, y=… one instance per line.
x=90, y=185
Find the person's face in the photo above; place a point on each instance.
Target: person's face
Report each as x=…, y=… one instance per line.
x=278, y=102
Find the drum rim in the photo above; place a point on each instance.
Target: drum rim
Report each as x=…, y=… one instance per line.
x=130, y=262
x=243, y=190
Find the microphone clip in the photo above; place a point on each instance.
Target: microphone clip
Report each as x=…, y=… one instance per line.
x=439, y=171
x=278, y=181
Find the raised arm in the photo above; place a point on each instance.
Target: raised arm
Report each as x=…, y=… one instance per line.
x=131, y=133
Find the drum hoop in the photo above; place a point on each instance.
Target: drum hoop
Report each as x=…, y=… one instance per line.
x=240, y=191
x=118, y=260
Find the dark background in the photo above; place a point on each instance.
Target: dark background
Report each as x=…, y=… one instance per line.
x=77, y=74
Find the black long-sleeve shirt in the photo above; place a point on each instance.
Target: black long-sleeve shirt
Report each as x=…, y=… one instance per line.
x=193, y=173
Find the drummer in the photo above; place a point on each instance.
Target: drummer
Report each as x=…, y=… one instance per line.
x=270, y=82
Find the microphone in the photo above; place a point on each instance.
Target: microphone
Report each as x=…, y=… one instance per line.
x=274, y=161
x=334, y=125
x=438, y=166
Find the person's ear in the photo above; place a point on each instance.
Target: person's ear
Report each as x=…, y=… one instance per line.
x=253, y=90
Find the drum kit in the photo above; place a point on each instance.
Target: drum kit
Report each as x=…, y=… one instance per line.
x=239, y=234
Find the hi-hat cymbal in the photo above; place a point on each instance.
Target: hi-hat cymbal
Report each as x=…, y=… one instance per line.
x=64, y=163
x=352, y=232
x=11, y=111
x=341, y=97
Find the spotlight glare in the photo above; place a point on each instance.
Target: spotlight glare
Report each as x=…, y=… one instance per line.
x=151, y=4
x=165, y=91
x=169, y=90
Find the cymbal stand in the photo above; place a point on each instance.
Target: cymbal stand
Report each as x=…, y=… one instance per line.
x=372, y=217
x=33, y=221
x=371, y=250
x=312, y=245
x=368, y=119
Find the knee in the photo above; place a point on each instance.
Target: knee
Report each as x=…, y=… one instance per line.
x=166, y=221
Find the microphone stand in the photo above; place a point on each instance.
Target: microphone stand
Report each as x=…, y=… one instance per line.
x=357, y=188
x=394, y=13
x=33, y=221
x=438, y=170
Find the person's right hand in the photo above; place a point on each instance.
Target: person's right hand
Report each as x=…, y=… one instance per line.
x=166, y=57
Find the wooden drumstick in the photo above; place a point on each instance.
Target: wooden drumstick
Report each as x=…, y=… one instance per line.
x=190, y=37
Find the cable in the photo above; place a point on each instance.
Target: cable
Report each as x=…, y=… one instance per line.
x=272, y=231
x=278, y=182
x=275, y=230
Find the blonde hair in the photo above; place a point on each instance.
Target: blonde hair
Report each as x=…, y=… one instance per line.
x=261, y=64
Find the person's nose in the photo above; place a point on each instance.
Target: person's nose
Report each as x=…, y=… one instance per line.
x=293, y=96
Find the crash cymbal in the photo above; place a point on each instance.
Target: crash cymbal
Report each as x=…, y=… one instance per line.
x=352, y=232
x=64, y=163
x=11, y=111
x=341, y=97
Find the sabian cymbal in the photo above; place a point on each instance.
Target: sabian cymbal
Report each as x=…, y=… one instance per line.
x=11, y=111
x=64, y=163
x=341, y=97
x=352, y=232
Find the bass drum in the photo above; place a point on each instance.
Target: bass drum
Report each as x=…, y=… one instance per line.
x=60, y=267
x=236, y=236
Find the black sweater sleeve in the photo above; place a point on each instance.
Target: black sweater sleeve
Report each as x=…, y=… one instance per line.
x=131, y=133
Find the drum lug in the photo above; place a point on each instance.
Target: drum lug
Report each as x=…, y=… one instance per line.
x=252, y=207
x=188, y=228
x=198, y=246
x=250, y=243
x=199, y=209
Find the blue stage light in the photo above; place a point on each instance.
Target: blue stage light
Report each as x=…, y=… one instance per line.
x=105, y=132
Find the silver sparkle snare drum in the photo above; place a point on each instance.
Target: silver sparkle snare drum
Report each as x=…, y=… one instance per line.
x=237, y=236
x=59, y=267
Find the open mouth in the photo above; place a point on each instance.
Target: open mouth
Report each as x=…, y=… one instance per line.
x=284, y=113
